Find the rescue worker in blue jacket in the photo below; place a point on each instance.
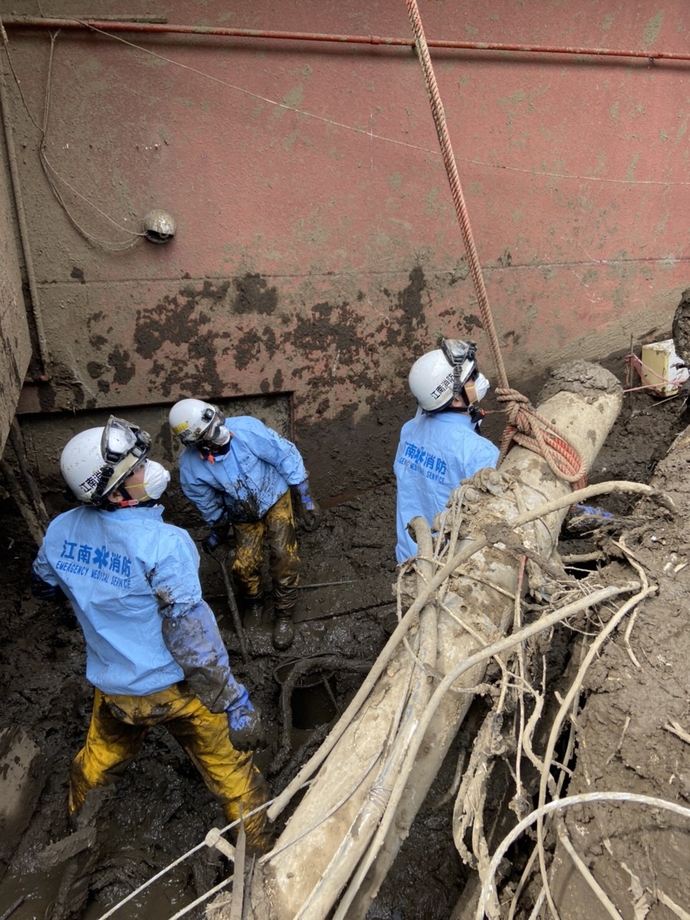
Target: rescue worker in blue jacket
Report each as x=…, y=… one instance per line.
x=153, y=650
x=239, y=472
x=441, y=445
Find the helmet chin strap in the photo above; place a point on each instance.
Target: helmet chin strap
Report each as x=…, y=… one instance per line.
x=476, y=414
x=471, y=405
x=128, y=502
x=105, y=474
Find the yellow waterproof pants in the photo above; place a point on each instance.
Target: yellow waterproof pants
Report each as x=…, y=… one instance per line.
x=278, y=527
x=119, y=725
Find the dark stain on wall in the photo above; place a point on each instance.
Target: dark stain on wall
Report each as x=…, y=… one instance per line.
x=171, y=321
x=254, y=295
x=123, y=367
x=472, y=322
x=65, y=390
x=96, y=369
x=270, y=341
x=96, y=340
x=197, y=378
x=214, y=292
x=179, y=321
x=247, y=349
x=333, y=329
x=410, y=298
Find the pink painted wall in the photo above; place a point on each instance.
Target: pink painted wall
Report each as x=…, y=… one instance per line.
x=317, y=249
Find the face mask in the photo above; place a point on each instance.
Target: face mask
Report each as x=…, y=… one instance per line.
x=481, y=385
x=156, y=479
x=221, y=436
x=217, y=436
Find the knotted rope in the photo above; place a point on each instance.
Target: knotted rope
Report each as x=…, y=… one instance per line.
x=526, y=427
x=524, y=424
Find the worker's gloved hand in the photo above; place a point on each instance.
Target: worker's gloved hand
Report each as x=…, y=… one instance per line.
x=218, y=536
x=244, y=722
x=307, y=509
x=43, y=591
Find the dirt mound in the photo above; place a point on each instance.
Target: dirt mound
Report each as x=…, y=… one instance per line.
x=634, y=733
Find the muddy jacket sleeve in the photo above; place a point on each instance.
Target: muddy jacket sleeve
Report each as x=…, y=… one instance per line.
x=194, y=641
x=208, y=500
x=189, y=628
x=44, y=583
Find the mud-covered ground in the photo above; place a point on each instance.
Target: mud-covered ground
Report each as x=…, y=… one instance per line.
x=160, y=809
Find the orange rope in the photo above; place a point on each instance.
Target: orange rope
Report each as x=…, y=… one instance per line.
x=524, y=424
x=526, y=427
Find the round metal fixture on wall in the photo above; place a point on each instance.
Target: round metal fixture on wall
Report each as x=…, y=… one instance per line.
x=159, y=226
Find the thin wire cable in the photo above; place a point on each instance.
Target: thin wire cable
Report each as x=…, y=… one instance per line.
x=204, y=897
x=176, y=862
x=489, y=887
x=47, y=165
x=51, y=173
x=367, y=132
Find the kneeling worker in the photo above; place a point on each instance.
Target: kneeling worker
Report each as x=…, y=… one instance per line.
x=240, y=472
x=153, y=649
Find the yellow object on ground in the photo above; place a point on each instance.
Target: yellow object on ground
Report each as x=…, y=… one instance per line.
x=119, y=725
x=278, y=527
x=661, y=370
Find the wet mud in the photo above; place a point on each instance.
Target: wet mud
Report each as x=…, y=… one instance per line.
x=160, y=809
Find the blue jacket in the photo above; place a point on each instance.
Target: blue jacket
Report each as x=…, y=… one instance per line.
x=436, y=452
x=123, y=571
x=242, y=484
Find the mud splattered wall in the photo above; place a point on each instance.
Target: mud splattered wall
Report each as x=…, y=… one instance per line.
x=15, y=342
x=317, y=250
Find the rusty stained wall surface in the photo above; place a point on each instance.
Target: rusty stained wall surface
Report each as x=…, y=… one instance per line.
x=317, y=249
x=15, y=340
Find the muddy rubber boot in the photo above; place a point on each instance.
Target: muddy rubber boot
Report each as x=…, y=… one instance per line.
x=283, y=630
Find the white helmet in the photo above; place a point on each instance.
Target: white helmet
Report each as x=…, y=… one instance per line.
x=195, y=422
x=440, y=375
x=96, y=461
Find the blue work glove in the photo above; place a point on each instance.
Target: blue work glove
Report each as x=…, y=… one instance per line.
x=595, y=512
x=218, y=536
x=244, y=722
x=307, y=509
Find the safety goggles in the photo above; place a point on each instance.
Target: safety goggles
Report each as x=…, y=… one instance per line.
x=211, y=434
x=212, y=437
x=461, y=356
x=121, y=439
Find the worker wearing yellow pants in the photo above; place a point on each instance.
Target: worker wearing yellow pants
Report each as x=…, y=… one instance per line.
x=119, y=725
x=154, y=652
x=277, y=527
x=240, y=472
